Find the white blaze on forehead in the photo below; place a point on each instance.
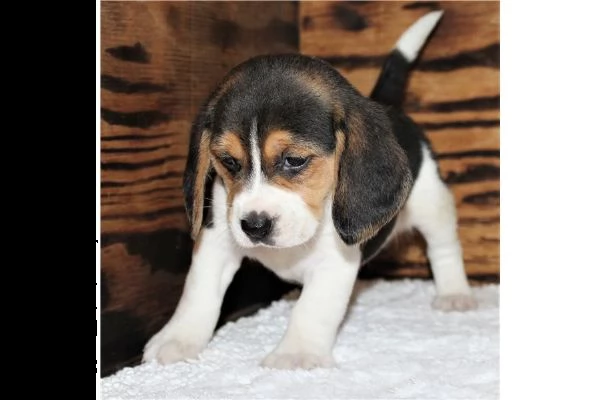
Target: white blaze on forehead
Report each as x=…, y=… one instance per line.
x=295, y=224
x=255, y=176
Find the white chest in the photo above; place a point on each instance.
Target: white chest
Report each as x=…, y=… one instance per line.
x=292, y=263
x=296, y=263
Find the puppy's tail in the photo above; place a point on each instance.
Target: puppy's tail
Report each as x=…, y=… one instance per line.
x=390, y=87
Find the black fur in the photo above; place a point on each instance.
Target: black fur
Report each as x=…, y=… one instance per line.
x=374, y=178
x=270, y=90
x=382, y=153
x=372, y=246
x=391, y=84
x=411, y=138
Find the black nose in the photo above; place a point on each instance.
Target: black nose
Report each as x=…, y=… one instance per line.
x=257, y=226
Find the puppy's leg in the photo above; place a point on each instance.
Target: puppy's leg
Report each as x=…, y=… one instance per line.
x=311, y=333
x=445, y=256
x=433, y=213
x=214, y=262
x=191, y=326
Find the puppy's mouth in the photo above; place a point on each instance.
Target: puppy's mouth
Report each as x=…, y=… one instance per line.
x=260, y=245
x=271, y=241
x=247, y=242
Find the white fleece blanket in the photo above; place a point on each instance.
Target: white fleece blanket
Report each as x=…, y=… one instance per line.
x=391, y=346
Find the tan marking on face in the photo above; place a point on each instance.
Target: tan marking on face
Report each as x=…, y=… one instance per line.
x=229, y=143
x=313, y=184
x=316, y=181
x=232, y=185
x=279, y=142
x=202, y=171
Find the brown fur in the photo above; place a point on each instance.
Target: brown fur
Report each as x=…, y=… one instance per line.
x=365, y=145
x=204, y=160
x=233, y=78
x=229, y=143
x=203, y=166
x=340, y=140
x=233, y=185
x=279, y=141
x=355, y=144
x=317, y=85
x=355, y=140
x=315, y=182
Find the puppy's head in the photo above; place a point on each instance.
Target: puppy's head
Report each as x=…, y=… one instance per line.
x=289, y=137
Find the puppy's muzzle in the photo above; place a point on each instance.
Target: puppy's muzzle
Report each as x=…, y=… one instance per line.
x=258, y=227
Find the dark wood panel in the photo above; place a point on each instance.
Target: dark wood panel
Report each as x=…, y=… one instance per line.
x=159, y=62
x=453, y=93
x=467, y=27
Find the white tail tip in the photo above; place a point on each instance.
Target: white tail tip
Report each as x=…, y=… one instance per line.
x=414, y=37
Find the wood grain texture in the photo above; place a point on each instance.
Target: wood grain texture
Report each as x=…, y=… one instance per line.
x=453, y=93
x=159, y=62
x=147, y=106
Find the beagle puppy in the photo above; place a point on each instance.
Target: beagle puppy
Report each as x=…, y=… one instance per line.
x=290, y=165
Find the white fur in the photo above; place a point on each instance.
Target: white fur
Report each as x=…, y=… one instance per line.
x=414, y=37
x=308, y=251
x=214, y=262
x=256, y=175
x=325, y=266
x=327, y=269
x=430, y=209
x=294, y=222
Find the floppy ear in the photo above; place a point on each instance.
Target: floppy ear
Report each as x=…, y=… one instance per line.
x=197, y=169
x=374, y=177
x=199, y=174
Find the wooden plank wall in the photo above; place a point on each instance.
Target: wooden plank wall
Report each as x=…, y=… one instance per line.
x=453, y=93
x=159, y=61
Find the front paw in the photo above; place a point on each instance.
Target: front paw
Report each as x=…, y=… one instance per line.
x=168, y=347
x=454, y=302
x=278, y=360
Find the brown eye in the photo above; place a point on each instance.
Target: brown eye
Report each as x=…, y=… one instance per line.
x=294, y=164
x=231, y=164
